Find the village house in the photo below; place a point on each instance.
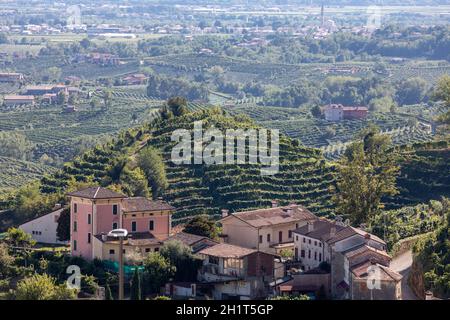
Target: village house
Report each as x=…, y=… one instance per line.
x=41, y=90
x=310, y=242
x=269, y=230
x=15, y=100
x=235, y=272
x=96, y=211
x=195, y=242
x=11, y=77
x=338, y=112
x=351, y=255
x=135, y=79
x=43, y=229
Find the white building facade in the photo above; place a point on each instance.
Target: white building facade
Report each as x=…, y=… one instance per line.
x=43, y=229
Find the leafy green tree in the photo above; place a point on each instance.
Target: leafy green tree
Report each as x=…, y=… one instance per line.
x=30, y=202
x=158, y=271
x=108, y=293
x=202, y=225
x=42, y=287
x=134, y=182
x=106, y=97
x=178, y=105
x=136, y=293
x=442, y=92
x=15, y=145
x=63, y=228
x=180, y=256
x=6, y=261
x=151, y=162
x=366, y=173
x=411, y=91
x=18, y=238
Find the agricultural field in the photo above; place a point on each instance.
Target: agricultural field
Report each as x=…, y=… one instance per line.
x=332, y=137
x=429, y=71
x=59, y=134
x=14, y=173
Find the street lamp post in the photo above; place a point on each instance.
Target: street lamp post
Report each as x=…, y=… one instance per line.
x=121, y=234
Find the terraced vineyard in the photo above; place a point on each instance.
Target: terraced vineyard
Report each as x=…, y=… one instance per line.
x=304, y=176
x=14, y=173
x=430, y=73
x=425, y=174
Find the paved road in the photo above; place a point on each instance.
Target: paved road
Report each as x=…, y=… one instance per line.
x=402, y=264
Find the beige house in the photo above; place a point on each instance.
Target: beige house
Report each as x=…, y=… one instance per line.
x=14, y=100
x=269, y=230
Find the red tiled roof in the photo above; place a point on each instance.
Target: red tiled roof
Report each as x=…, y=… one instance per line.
x=138, y=204
x=273, y=216
x=350, y=254
x=321, y=229
x=351, y=231
x=224, y=250
x=386, y=274
x=96, y=193
x=18, y=97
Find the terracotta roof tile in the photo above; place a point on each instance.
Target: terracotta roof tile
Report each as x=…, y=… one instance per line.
x=96, y=193
x=138, y=204
x=321, y=229
x=224, y=250
x=273, y=216
x=351, y=231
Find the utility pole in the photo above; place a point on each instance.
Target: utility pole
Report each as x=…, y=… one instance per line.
x=121, y=234
x=120, y=268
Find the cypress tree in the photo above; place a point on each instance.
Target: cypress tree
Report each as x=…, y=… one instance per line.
x=136, y=286
x=108, y=294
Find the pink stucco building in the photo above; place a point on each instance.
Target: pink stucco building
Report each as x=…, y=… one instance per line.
x=95, y=211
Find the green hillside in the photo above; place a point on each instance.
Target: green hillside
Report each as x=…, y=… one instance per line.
x=424, y=175
x=304, y=175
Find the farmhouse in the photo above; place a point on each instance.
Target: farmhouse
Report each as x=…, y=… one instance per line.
x=40, y=90
x=14, y=100
x=43, y=229
x=268, y=230
x=135, y=79
x=337, y=112
x=11, y=77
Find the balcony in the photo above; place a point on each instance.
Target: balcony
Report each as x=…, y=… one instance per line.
x=212, y=273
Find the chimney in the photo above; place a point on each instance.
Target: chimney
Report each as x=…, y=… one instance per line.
x=224, y=213
x=338, y=220
x=57, y=206
x=104, y=237
x=332, y=232
x=274, y=203
x=310, y=226
x=367, y=237
x=428, y=295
